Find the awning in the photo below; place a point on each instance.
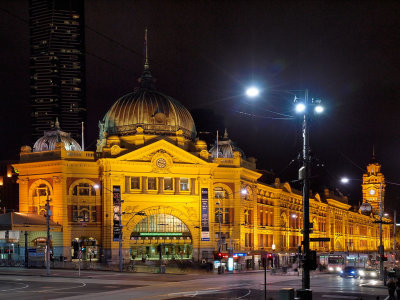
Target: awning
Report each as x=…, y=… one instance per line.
x=26, y=222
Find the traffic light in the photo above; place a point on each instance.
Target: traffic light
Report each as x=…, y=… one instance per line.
x=217, y=255
x=264, y=262
x=312, y=259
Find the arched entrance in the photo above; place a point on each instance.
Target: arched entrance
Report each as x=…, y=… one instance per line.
x=85, y=247
x=161, y=236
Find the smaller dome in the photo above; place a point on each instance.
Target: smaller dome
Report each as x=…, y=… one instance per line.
x=225, y=148
x=52, y=137
x=201, y=145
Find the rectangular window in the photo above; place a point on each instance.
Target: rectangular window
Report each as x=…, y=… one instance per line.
x=168, y=184
x=152, y=183
x=94, y=214
x=217, y=212
x=226, y=216
x=135, y=183
x=74, y=213
x=184, y=184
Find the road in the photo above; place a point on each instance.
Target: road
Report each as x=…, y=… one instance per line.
x=65, y=284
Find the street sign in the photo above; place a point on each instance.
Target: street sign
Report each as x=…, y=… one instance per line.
x=320, y=239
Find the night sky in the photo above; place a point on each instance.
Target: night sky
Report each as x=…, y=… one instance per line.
x=205, y=53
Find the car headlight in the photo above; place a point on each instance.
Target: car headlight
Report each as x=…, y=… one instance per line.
x=338, y=269
x=361, y=272
x=330, y=269
x=374, y=274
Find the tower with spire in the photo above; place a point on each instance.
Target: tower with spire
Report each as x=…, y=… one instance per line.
x=146, y=80
x=373, y=184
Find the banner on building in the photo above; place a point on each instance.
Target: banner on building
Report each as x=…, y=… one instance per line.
x=205, y=227
x=116, y=213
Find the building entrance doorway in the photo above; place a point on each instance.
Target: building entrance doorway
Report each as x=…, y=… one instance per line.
x=84, y=248
x=160, y=236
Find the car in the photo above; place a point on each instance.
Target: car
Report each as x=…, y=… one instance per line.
x=368, y=273
x=349, y=272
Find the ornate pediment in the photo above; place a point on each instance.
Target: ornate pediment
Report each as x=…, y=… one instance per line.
x=162, y=154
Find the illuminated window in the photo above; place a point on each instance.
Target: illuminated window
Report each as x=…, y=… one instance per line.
x=152, y=183
x=168, y=184
x=161, y=223
x=83, y=189
x=184, y=184
x=135, y=183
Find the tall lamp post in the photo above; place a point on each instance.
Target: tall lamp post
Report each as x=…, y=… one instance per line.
x=304, y=175
x=303, y=107
x=48, y=214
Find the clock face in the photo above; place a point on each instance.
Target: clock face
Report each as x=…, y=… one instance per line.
x=372, y=192
x=161, y=163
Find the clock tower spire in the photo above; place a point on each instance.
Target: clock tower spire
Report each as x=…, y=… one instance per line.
x=373, y=186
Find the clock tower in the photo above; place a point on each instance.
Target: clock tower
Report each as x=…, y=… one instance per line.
x=373, y=186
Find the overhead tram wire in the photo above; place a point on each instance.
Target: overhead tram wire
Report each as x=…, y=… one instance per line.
x=263, y=117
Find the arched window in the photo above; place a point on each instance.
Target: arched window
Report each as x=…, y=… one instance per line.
x=83, y=189
x=222, y=206
x=40, y=195
x=161, y=223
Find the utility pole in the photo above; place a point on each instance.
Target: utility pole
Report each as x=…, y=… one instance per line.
x=219, y=221
x=394, y=231
x=26, y=250
x=48, y=213
x=121, y=265
x=381, y=249
x=304, y=174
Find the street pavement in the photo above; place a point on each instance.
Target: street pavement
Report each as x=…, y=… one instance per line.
x=19, y=283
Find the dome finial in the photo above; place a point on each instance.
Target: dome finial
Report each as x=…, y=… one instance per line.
x=226, y=134
x=146, y=54
x=57, y=124
x=373, y=153
x=146, y=80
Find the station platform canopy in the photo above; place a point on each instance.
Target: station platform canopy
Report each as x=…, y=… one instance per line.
x=17, y=221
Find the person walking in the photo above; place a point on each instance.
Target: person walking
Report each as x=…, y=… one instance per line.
x=385, y=276
x=398, y=288
x=391, y=285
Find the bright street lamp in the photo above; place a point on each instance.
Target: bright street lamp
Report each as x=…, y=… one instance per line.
x=301, y=107
x=252, y=92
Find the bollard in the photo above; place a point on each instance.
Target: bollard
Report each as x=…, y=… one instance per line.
x=286, y=294
x=304, y=294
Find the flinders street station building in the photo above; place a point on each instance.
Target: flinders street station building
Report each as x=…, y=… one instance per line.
x=153, y=190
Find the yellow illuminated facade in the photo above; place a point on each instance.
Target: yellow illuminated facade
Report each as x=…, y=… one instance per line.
x=179, y=196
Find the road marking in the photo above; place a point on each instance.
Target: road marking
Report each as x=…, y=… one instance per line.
x=245, y=295
x=24, y=287
x=339, y=297
x=67, y=288
x=194, y=293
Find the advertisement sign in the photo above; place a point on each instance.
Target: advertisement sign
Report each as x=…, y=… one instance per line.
x=116, y=214
x=205, y=229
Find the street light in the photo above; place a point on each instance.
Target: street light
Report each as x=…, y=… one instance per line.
x=120, y=227
x=48, y=214
x=252, y=92
x=303, y=107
